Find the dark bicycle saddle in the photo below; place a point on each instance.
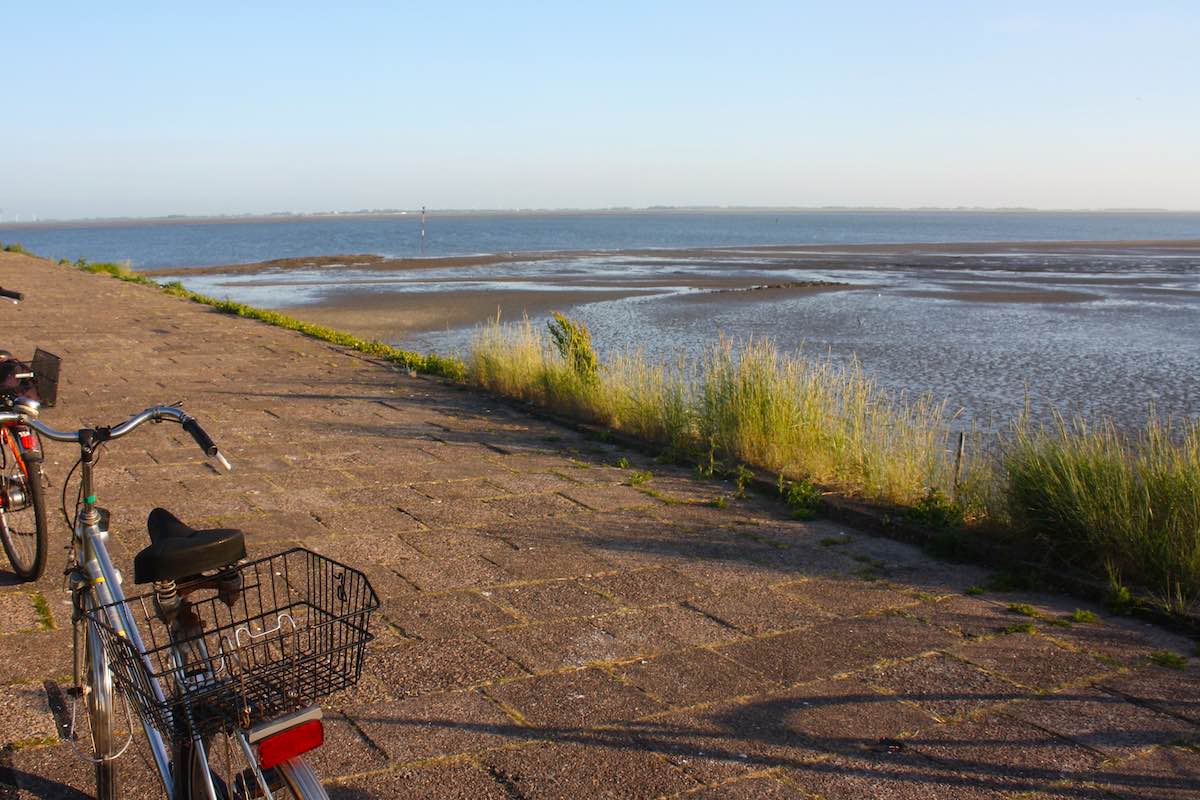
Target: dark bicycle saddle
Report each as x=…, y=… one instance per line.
x=178, y=551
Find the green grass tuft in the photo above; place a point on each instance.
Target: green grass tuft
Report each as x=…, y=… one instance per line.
x=1100, y=501
x=1024, y=609
x=975, y=591
x=1021, y=627
x=1084, y=617
x=1166, y=658
x=638, y=477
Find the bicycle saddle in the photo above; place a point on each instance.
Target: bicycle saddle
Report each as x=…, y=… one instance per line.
x=178, y=551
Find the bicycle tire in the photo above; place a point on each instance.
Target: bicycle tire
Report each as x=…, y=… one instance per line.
x=26, y=549
x=99, y=696
x=299, y=780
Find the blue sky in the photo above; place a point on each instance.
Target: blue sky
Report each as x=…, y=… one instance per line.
x=147, y=109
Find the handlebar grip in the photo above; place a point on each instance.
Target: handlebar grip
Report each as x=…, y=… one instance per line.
x=202, y=438
x=12, y=295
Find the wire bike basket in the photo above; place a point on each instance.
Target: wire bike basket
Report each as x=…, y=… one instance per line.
x=293, y=633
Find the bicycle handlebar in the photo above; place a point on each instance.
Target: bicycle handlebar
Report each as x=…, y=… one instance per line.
x=153, y=414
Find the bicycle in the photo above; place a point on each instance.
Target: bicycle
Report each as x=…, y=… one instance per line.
x=222, y=648
x=23, y=526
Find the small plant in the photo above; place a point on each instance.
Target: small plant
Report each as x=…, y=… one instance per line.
x=1084, y=617
x=1024, y=609
x=45, y=616
x=16, y=248
x=1021, y=627
x=832, y=541
x=1166, y=658
x=975, y=591
x=622, y=463
x=710, y=467
x=1119, y=599
x=934, y=510
x=803, y=498
x=719, y=501
x=638, y=477
x=742, y=479
x=573, y=341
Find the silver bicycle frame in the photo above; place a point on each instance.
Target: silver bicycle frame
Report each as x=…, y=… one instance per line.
x=103, y=590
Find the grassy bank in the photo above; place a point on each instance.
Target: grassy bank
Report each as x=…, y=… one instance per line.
x=1122, y=508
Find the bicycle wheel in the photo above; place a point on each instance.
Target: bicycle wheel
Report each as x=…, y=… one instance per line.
x=98, y=696
x=23, y=512
x=295, y=778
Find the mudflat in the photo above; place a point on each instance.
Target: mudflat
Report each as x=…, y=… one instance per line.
x=549, y=629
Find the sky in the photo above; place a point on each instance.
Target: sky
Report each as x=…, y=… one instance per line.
x=148, y=109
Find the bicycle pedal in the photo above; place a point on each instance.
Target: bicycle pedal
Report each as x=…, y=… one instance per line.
x=74, y=691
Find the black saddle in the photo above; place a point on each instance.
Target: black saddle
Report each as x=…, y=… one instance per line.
x=177, y=551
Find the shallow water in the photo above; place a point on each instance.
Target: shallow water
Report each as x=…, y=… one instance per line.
x=1111, y=338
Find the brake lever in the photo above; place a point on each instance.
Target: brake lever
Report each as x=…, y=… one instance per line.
x=224, y=462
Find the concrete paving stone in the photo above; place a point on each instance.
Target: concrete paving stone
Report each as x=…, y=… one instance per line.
x=554, y=645
x=899, y=776
x=1032, y=661
x=1174, y=691
x=551, y=600
x=849, y=597
x=729, y=572
x=532, y=506
x=1168, y=773
x=532, y=561
x=456, y=490
x=757, y=610
x=415, y=668
x=567, y=771
x=440, y=575
x=387, y=550
x=758, y=788
x=345, y=751
x=1102, y=721
x=446, y=780
x=55, y=773
x=966, y=616
x=507, y=482
x=943, y=686
x=1006, y=750
x=436, y=725
x=1121, y=640
x=652, y=630
x=647, y=587
x=447, y=615
x=843, y=714
x=18, y=614
x=25, y=710
x=368, y=522
x=603, y=498
x=811, y=653
x=719, y=743
x=456, y=543
x=35, y=657
x=692, y=677
x=561, y=703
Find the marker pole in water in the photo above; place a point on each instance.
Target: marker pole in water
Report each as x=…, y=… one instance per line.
x=422, y=230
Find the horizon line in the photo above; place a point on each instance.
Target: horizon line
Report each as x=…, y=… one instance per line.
x=404, y=212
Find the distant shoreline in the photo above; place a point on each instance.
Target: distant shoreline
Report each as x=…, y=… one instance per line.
x=223, y=219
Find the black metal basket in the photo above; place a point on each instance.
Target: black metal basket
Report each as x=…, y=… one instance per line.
x=294, y=634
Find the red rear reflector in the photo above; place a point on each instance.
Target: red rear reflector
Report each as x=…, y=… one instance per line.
x=290, y=743
x=27, y=441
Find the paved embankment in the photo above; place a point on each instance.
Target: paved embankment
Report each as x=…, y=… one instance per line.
x=549, y=630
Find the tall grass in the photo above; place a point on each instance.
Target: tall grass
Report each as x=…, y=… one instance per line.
x=805, y=418
x=1098, y=500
